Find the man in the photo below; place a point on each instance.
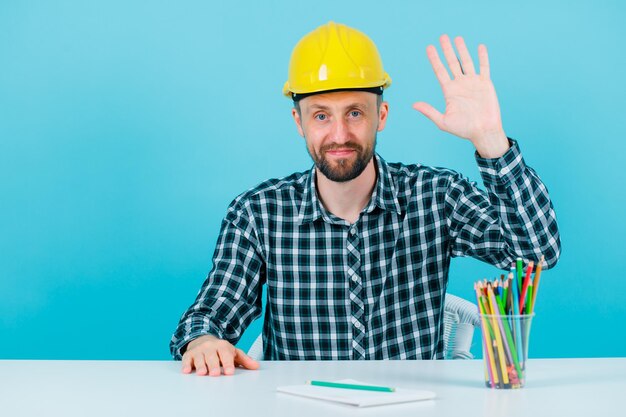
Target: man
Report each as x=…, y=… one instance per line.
x=355, y=252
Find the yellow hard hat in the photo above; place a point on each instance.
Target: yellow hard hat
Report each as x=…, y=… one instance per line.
x=334, y=57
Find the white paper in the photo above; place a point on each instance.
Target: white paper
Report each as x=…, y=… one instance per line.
x=356, y=397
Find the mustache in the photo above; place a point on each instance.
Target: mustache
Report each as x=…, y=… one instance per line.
x=347, y=145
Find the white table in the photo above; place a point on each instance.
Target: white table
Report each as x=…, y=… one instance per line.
x=556, y=387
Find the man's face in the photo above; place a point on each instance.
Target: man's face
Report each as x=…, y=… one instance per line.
x=340, y=131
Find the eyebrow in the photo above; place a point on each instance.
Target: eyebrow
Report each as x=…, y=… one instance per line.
x=351, y=105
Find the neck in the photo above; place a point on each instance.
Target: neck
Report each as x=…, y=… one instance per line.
x=347, y=199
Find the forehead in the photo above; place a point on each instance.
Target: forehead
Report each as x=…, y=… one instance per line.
x=339, y=100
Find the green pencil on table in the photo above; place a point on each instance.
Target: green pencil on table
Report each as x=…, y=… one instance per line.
x=351, y=386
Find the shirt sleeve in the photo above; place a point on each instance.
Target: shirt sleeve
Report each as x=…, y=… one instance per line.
x=513, y=218
x=230, y=298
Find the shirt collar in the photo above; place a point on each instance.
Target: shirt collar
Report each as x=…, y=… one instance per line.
x=310, y=209
x=385, y=195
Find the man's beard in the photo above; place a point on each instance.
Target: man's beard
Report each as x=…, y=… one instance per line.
x=344, y=169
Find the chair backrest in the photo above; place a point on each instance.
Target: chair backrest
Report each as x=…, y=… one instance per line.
x=256, y=350
x=460, y=317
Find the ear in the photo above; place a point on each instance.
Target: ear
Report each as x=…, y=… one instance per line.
x=382, y=115
x=296, y=118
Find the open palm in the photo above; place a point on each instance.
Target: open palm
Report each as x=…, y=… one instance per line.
x=472, y=110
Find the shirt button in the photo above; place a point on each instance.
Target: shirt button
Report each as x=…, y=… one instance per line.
x=355, y=278
x=352, y=231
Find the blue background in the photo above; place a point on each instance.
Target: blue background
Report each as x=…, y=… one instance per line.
x=126, y=128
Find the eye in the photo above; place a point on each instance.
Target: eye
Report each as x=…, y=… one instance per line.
x=355, y=113
x=320, y=116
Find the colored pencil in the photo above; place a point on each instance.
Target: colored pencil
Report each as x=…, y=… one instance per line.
x=509, y=339
x=522, y=299
x=499, y=313
x=486, y=339
x=498, y=340
x=505, y=289
x=536, y=282
x=351, y=386
x=518, y=274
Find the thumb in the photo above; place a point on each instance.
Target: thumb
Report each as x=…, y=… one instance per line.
x=245, y=360
x=430, y=112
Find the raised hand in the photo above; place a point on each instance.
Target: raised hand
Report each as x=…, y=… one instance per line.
x=472, y=109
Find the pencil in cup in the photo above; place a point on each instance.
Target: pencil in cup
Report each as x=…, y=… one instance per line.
x=508, y=368
x=506, y=308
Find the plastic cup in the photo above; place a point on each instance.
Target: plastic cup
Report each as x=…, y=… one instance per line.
x=505, y=349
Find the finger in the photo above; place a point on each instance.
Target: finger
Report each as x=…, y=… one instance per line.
x=227, y=358
x=466, y=58
x=483, y=60
x=187, y=364
x=448, y=52
x=199, y=363
x=213, y=363
x=430, y=112
x=245, y=360
x=440, y=71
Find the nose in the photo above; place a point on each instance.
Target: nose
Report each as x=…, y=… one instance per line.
x=339, y=131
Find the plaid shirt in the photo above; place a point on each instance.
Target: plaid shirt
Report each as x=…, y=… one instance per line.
x=373, y=289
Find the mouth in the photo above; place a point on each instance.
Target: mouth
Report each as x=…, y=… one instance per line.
x=339, y=153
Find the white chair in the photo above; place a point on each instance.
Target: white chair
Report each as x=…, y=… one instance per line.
x=460, y=317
